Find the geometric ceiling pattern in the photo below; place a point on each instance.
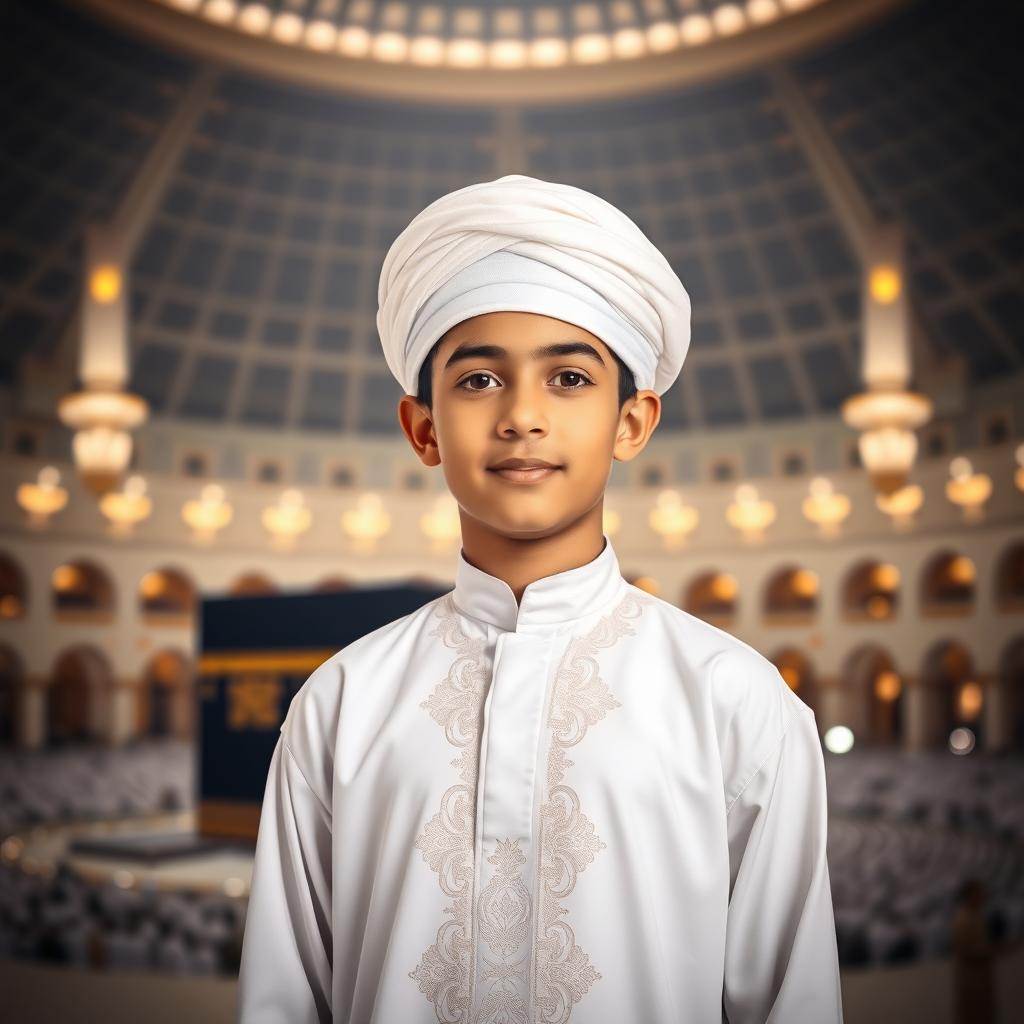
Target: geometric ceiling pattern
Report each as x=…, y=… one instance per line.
x=254, y=284
x=513, y=34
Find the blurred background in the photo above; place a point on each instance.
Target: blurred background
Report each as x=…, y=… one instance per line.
x=199, y=442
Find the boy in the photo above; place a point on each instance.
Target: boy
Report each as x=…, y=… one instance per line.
x=547, y=795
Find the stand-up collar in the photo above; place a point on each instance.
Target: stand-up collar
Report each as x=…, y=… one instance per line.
x=546, y=602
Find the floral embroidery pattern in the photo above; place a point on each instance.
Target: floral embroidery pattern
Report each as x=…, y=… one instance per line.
x=504, y=914
x=559, y=971
x=562, y=972
x=446, y=841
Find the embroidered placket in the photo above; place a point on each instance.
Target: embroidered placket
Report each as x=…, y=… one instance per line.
x=505, y=855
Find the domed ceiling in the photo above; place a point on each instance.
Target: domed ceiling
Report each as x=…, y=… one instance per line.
x=254, y=283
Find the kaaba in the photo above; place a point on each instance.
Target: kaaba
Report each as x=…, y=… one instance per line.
x=255, y=653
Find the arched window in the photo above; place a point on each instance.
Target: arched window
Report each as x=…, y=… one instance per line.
x=712, y=596
x=871, y=591
x=947, y=585
x=82, y=591
x=791, y=596
x=166, y=595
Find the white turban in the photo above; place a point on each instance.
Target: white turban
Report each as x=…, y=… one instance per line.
x=519, y=243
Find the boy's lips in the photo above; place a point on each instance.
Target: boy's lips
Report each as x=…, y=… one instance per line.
x=524, y=471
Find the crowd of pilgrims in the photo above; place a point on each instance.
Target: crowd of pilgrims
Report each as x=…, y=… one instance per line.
x=905, y=833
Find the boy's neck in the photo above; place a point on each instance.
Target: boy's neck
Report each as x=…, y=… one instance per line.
x=519, y=562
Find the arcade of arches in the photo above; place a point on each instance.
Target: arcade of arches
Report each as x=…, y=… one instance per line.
x=882, y=702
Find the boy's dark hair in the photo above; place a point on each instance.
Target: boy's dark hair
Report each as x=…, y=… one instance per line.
x=424, y=389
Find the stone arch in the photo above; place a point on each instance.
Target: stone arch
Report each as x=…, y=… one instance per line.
x=1009, y=578
x=167, y=594
x=953, y=695
x=166, y=696
x=870, y=591
x=252, y=584
x=78, y=695
x=712, y=596
x=82, y=591
x=333, y=584
x=1011, y=682
x=876, y=696
x=790, y=595
x=13, y=588
x=947, y=584
x=12, y=681
x=795, y=667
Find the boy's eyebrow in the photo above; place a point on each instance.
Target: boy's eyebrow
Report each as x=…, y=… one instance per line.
x=560, y=348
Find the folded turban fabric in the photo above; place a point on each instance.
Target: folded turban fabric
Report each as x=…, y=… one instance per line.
x=519, y=243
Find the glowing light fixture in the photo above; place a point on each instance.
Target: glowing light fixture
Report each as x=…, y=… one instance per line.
x=838, y=739
x=968, y=489
x=441, y=525
x=124, y=508
x=367, y=522
x=672, y=520
x=824, y=507
x=961, y=741
x=207, y=515
x=888, y=686
x=750, y=514
x=42, y=499
x=887, y=413
x=901, y=505
x=288, y=518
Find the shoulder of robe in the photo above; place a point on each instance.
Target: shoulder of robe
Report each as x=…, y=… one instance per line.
x=752, y=706
x=310, y=727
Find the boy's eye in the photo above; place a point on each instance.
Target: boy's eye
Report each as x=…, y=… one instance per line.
x=580, y=380
x=576, y=380
x=475, y=376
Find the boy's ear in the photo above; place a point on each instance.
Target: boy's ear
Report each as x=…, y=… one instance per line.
x=639, y=418
x=418, y=426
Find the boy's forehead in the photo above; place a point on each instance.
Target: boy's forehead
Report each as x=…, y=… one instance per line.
x=516, y=330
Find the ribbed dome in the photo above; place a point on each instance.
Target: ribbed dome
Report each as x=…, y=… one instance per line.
x=254, y=284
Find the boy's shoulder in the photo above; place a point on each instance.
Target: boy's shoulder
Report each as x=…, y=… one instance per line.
x=317, y=702
x=751, y=702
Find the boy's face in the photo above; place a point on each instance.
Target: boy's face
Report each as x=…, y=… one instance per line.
x=498, y=396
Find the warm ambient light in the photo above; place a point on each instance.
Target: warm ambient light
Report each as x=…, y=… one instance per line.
x=207, y=515
x=960, y=571
x=749, y=513
x=102, y=444
x=804, y=583
x=442, y=525
x=152, y=585
x=288, y=518
x=885, y=576
x=888, y=686
x=885, y=284
x=824, y=507
x=970, y=700
x=126, y=507
x=901, y=505
x=105, y=284
x=724, y=587
x=671, y=519
x=968, y=489
x=43, y=498
x=65, y=578
x=887, y=444
x=367, y=522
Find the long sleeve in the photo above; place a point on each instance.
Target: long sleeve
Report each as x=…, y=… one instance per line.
x=285, y=972
x=781, y=957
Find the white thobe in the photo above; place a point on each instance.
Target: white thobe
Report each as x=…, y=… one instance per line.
x=587, y=806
